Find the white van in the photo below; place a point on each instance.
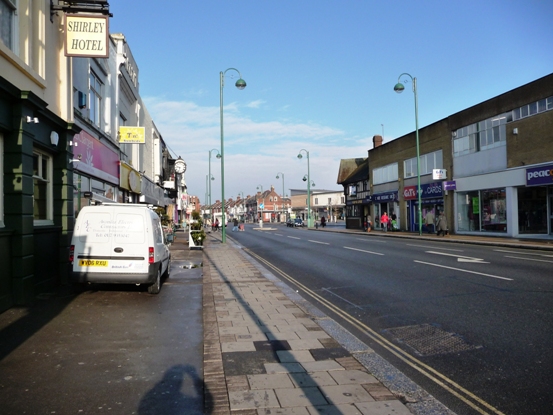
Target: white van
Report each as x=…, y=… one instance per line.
x=119, y=244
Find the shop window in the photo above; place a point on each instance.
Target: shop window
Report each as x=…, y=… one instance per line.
x=42, y=195
x=532, y=210
x=483, y=210
x=2, y=224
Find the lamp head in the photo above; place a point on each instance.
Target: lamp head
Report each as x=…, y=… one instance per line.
x=304, y=178
x=240, y=84
x=399, y=88
x=300, y=156
x=278, y=177
x=218, y=155
x=313, y=184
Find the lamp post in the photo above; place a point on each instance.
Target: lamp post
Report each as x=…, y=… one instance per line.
x=243, y=203
x=218, y=156
x=399, y=89
x=260, y=188
x=308, y=187
x=277, y=176
x=240, y=84
x=208, y=194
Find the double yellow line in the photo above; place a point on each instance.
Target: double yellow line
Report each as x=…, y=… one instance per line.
x=449, y=385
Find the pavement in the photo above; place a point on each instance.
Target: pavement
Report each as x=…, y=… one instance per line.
x=224, y=336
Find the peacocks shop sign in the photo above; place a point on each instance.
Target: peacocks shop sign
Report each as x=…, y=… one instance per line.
x=86, y=36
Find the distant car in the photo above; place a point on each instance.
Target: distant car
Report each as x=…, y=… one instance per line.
x=298, y=222
x=290, y=223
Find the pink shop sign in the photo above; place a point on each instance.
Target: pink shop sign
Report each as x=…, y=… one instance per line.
x=95, y=158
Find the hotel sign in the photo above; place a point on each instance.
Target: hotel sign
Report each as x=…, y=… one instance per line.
x=86, y=36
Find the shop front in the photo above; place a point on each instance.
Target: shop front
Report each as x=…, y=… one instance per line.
x=432, y=200
x=96, y=172
x=356, y=212
x=386, y=202
x=535, y=201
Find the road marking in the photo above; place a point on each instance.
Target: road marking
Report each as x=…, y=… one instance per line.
x=435, y=247
x=317, y=242
x=342, y=298
x=362, y=250
x=279, y=234
x=380, y=240
x=460, y=258
x=528, y=259
x=293, y=237
x=441, y=380
x=523, y=253
x=464, y=270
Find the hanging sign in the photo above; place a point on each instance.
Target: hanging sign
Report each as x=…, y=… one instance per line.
x=439, y=174
x=132, y=135
x=86, y=36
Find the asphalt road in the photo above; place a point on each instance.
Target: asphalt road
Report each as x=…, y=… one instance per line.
x=470, y=324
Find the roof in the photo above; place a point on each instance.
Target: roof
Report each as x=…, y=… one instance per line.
x=353, y=170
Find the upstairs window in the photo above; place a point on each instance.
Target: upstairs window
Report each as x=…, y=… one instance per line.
x=8, y=20
x=42, y=194
x=95, y=100
x=385, y=174
x=429, y=162
x=481, y=136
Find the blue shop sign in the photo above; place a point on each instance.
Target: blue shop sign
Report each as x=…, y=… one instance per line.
x=385, y=197
x=539, y=175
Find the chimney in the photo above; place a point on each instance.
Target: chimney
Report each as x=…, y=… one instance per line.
x=377, y=141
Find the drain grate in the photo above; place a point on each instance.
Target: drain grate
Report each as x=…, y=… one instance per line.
x=428, y=340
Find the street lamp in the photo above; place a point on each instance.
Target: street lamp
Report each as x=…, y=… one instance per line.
x=260, y=188
x=218, y=156
x=308, y=187
x=240, y=84
x=399, y=89
x=277, y=176
x=208, y=194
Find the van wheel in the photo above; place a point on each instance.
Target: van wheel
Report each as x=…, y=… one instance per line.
x=156, y=286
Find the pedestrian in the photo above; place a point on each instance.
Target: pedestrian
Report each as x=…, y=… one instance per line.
x=369, y=223
x=216, y=225
x=235, y=223
x=384, y=219
x=323, y=221
x=442, y=225
x=429, y=218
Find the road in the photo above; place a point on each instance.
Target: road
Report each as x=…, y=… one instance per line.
x=470, y=324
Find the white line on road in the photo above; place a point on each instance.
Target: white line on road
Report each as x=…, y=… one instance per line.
x=342, y=298
x=464, y=270
x=435, y=247
x=279, y=234
x=380, y=239
x=528, y=259
x=317, y=242
x=362, y=250
x=293, y=237
x=523, y=253
x=460, y=258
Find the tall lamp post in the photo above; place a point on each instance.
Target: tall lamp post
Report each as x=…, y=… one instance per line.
x=309, y=224
x=277, y=176
x=399, y=89
x=208, y=194
x=260, y=188
x=243, y=203
x=218, y=156
x=240, y=84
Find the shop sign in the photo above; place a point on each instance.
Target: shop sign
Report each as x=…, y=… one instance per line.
x=132, y=135
x=452, y=185
x=428, y=190
x=95, y=158
x=439, y=174
x=130, y=179
x=539, y=175
x=86, y=36
x=385, y=197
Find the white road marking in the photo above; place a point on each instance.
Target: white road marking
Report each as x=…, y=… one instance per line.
x=435, y=247
x=464, y=270
x=279, y=234
x=528, y=259
x=293, y=237
x=317, y=242
x=362, y=250
x=523, y=253
x=460, y=258
x=380, y=240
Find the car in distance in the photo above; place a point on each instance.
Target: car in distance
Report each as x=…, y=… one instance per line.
x=298, y=222
x=290, y=223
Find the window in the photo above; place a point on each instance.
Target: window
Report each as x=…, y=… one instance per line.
x=429, y=162
x=385, y=174
x=42, y=196
x=533, y=108
x=8, y=21
x=329, y=200
x=95, y=100
x=2, y=224
x=342, y=199
x=483, y=210
x=481, y=136
x=316, y=200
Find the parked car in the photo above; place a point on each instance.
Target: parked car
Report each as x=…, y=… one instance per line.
x=298, y=222
x=290, y=223
x=119, y=244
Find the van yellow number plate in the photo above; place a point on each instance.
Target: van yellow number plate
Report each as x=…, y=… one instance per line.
x=92, y=263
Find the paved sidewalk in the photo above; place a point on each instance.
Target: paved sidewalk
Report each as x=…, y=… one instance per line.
x=265, y=353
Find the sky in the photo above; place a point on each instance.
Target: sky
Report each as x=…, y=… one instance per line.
x=320, y=76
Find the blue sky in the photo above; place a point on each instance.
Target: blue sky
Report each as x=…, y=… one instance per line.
x=320, y=76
